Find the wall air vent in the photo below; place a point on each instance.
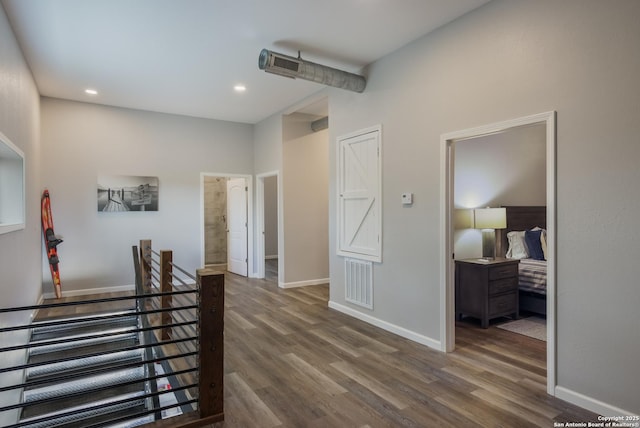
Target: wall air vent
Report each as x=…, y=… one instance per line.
x=358, y=276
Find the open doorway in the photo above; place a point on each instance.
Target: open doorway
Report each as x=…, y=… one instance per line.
x=226, y=222
x=268, y=218
x=453, y=208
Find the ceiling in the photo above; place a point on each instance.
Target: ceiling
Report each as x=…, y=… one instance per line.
x=185, y=56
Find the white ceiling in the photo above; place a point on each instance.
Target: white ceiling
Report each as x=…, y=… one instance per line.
x=185, y=56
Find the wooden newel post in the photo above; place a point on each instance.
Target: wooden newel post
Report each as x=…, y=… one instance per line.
x=166, y=286
x=145, y=264
x=211, y=327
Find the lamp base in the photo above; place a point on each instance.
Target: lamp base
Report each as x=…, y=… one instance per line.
x=488, y=244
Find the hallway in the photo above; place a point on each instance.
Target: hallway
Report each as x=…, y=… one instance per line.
x=291, y=361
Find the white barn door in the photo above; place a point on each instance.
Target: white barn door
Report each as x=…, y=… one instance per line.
x=237, y=226
x=359, y=195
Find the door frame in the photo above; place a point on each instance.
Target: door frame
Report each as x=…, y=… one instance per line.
x=248, y=178
x=260, y=251
x=447, y=288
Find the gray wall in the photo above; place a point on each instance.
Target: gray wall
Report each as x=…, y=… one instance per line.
x=283, y=143
x=505, y=60
x=305, y=187
x=20, y=251
x=267, y=158
x=271, y=217
x=84, y=140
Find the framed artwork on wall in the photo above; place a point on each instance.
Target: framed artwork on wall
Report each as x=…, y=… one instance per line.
x=120, y=193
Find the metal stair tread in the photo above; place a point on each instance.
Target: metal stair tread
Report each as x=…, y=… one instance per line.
x=83, y=327
x=76, y=385
x=133, y=403
x=56, y=368
x=108, y=335
x=55, y=393
x=79, y=317
x=78, y=349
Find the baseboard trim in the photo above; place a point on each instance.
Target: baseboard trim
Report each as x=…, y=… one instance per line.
x=87, y=291
x=303, y=283
x=395, y=329
x=589, y=403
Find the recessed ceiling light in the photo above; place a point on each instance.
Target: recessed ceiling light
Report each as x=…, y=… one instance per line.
x=239, y=88
x=91, y=91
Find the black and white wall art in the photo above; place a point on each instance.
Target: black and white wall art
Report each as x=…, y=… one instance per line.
x=119, y=193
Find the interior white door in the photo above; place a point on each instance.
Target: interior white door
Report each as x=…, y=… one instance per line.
x=359, y=195
x=237, y=226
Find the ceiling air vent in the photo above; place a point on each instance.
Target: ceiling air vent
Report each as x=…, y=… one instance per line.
x=288, y=66
x=285, y=63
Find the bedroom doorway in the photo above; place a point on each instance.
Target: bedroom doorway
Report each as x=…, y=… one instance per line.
x=452, y=216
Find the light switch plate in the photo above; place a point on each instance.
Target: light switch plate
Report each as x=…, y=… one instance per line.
x=407, y=198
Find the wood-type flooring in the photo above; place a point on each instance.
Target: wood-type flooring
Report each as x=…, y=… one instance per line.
x=290, y=361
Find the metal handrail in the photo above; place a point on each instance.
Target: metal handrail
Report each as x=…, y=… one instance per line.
x=113, y=403
x=92, y=336
x=183, y=271
x=96, y=318
x=92, y=301
x=92, y=390
x=93, y=372
x=95, y=354
x=182, y=322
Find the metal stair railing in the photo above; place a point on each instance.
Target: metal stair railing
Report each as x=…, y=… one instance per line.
x=176, y=335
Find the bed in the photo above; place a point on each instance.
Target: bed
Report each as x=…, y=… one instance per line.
x=532, y=271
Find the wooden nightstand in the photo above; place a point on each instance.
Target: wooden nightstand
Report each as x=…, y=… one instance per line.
x=486, y=289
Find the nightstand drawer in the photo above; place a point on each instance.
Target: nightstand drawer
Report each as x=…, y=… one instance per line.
x=503, y=271
x=503, y=304
x=503, y=285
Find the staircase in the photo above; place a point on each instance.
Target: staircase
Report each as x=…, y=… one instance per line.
x=99, y=375
x=124, y=367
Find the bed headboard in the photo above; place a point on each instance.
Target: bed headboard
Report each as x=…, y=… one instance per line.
x=519, y=218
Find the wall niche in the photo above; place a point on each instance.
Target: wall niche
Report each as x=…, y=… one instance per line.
x=11, y=186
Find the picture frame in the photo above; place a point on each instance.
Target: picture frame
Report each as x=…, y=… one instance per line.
x=122, y=193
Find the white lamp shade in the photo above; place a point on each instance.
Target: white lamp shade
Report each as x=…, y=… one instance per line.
x=490, y=218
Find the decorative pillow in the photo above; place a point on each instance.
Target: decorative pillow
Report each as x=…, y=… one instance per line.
x=534, y=245
x=543, y=240
x=517, y=248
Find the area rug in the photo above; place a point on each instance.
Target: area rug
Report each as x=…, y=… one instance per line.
x=533, y=326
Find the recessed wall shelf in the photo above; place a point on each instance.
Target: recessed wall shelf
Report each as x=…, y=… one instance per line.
x=11, y=186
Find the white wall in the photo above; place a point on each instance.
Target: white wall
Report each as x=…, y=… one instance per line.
x=305, y=189
x=19, y=250
x=81, y=141
x=510, y=59
x=504, y=169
